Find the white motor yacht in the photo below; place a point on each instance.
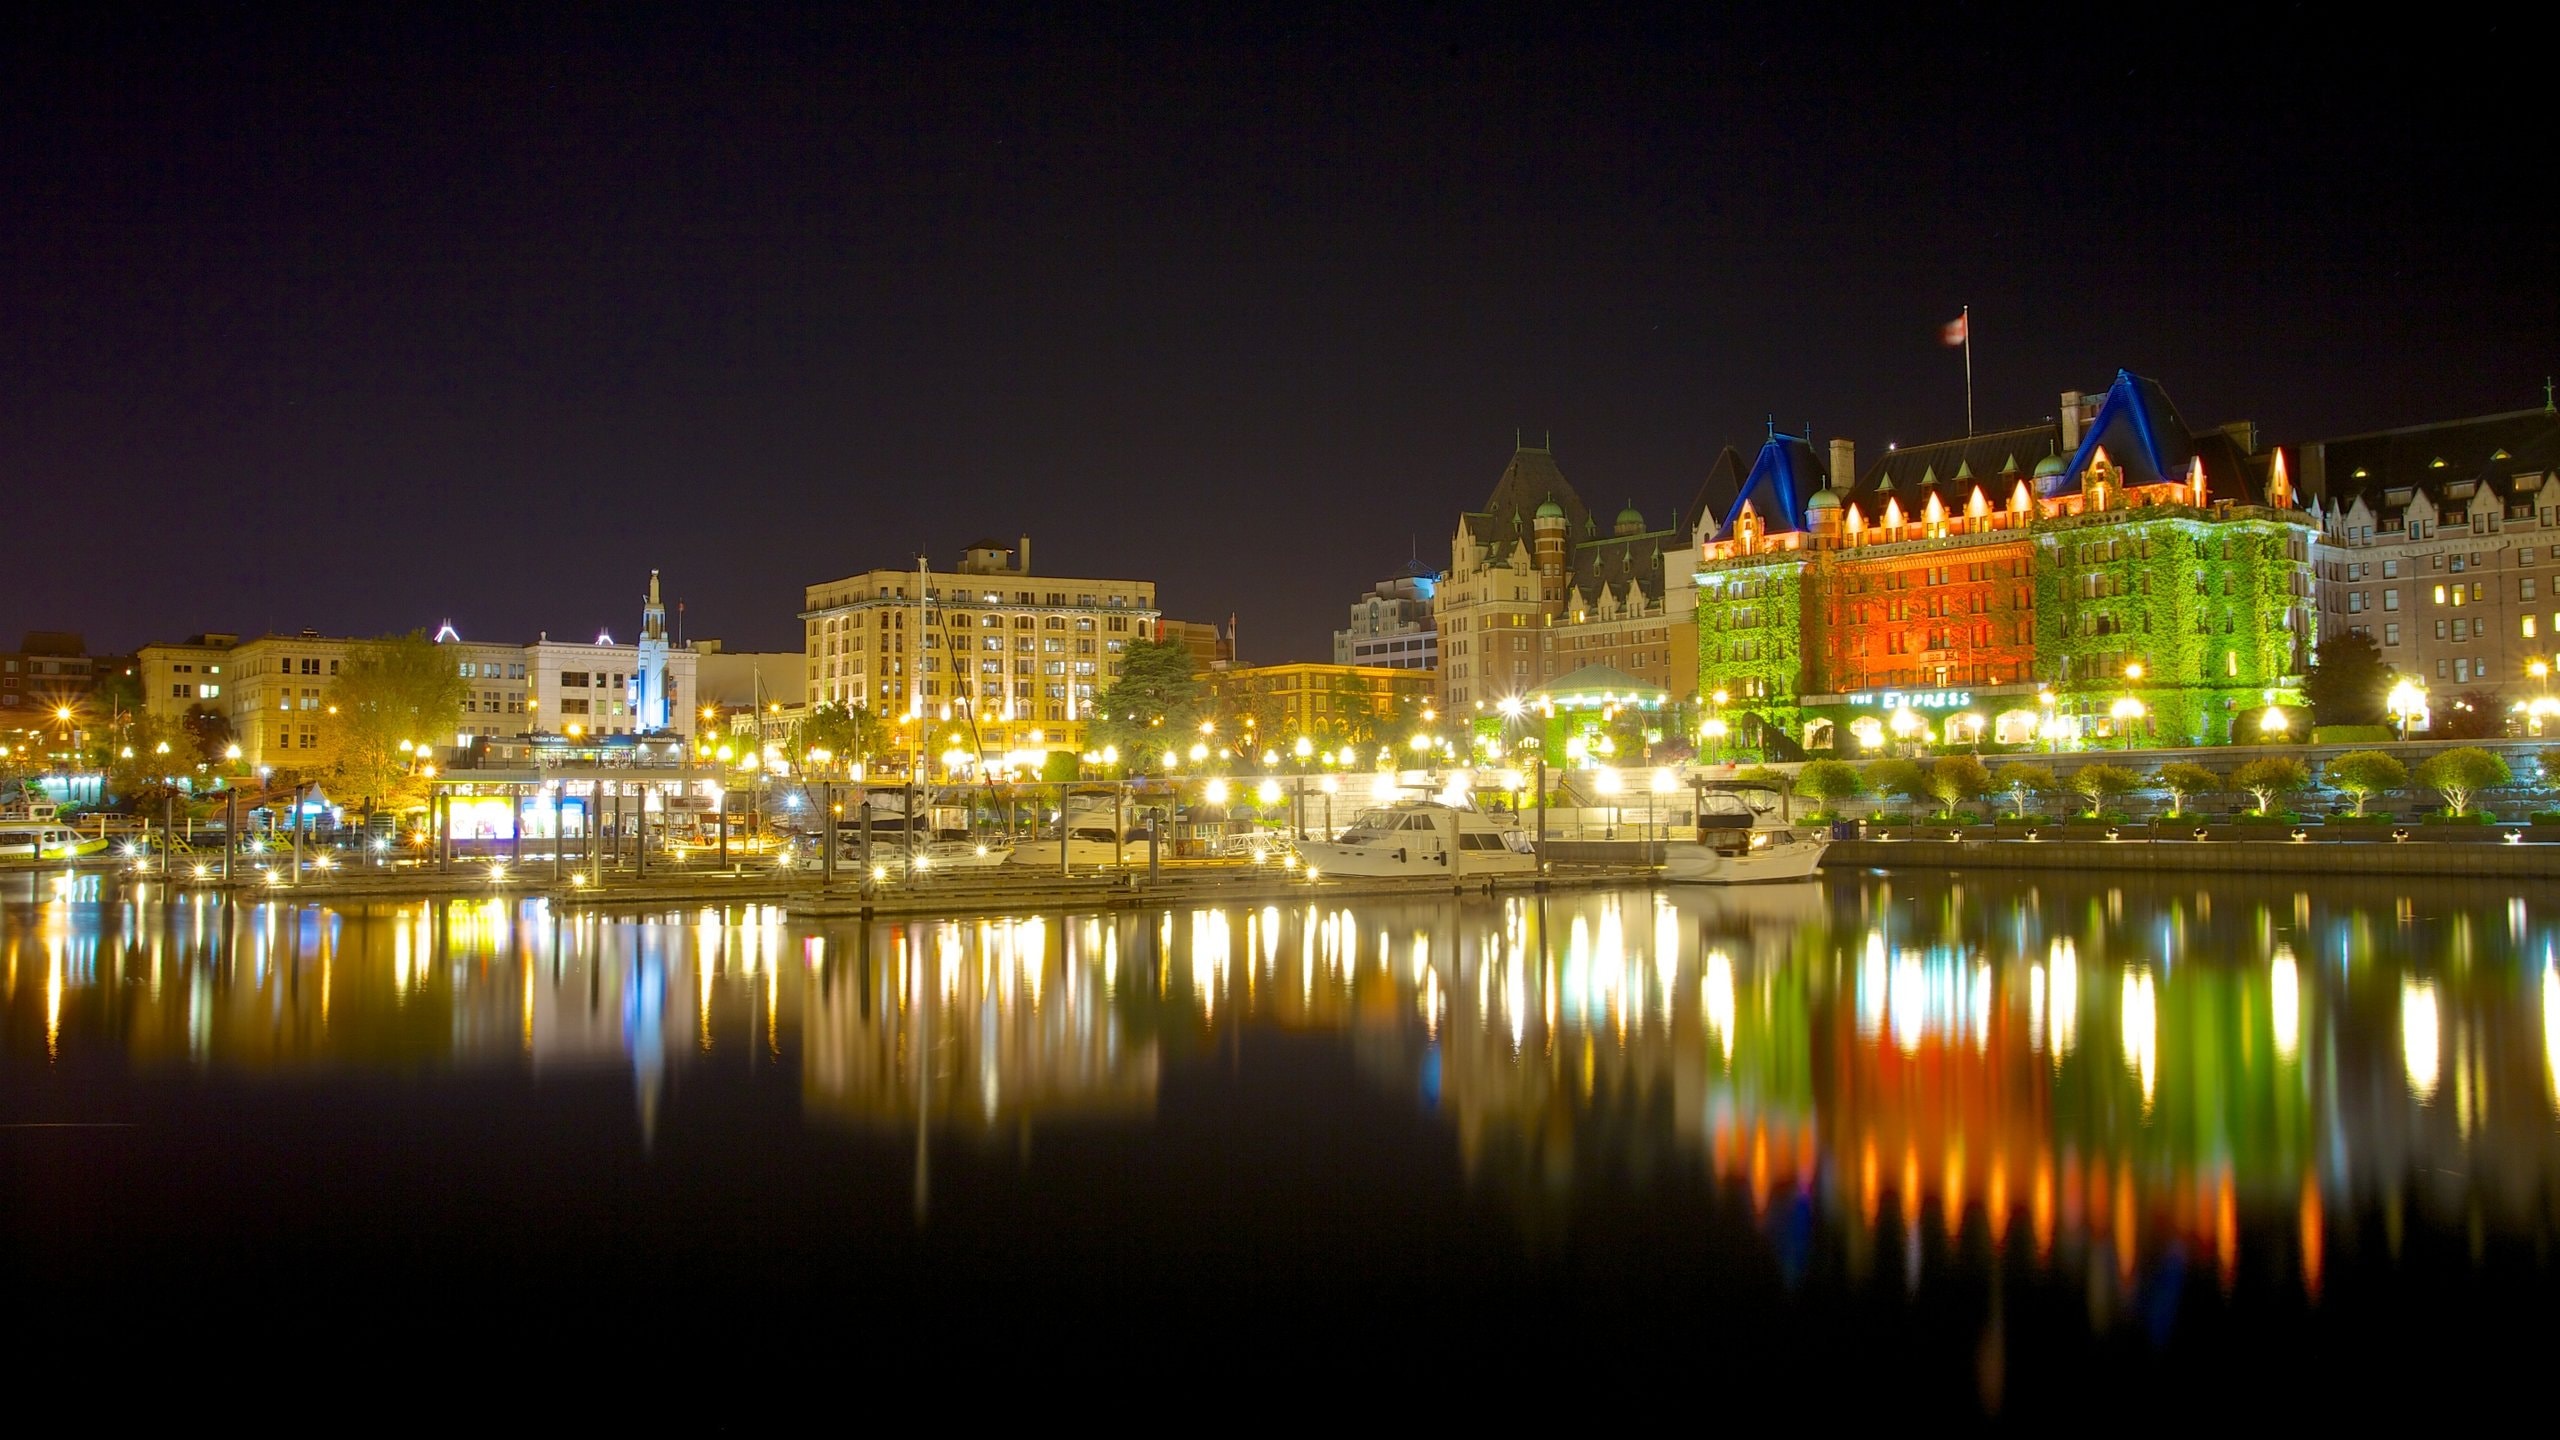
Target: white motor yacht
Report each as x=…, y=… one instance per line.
x=1423, y=840
x=1739, y=843
x=1089, y=846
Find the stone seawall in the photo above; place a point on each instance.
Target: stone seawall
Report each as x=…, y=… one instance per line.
x=2245, y=857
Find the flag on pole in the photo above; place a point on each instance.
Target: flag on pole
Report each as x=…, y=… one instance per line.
x=1954, y=331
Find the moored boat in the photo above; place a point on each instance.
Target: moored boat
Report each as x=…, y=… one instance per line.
x=1738, y=843
x=1421, y=840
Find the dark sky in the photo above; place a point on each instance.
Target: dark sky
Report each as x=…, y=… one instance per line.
x=360, y=320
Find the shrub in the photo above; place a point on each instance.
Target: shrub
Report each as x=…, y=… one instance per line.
x=1830, y=781
x=2101, y=782
x=2462, y=772
x=1897, y=777
x=2362, y=774
x=1954, y=779
x=2184, y=778
x=2022, y=780
x=2268, y=778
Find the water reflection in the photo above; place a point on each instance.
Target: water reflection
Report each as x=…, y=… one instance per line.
x=2106, y=1082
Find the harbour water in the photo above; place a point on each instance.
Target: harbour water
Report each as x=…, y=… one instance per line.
x=2070, y=1145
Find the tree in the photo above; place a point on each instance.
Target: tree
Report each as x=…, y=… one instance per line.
x=2462, y=772
x=1954, y=779
x=153, y=750
x=1153, y=703
x=399, y=687
x=2100, y=782
x=849, y=734
x=2348, y=681
x=2182, y=779
x=209, y=731
x=1897, y=777
x=2362, y=774
x=2472, y=715
x=1830, y=781
x=2022, y=780
x=2267, y=778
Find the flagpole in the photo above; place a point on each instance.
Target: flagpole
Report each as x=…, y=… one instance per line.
x=1967, y=316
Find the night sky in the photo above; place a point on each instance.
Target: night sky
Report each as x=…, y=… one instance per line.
x=362, y=321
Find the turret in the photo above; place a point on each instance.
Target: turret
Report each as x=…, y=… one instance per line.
x=653, y=703
x=1547, y=529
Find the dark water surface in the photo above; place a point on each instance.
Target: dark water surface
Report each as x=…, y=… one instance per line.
x=2069, y=1146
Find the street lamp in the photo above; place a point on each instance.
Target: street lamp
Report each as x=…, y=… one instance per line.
x=1904, y=724
x=2407, y=702
x=2273, y=724
x=2126, y=711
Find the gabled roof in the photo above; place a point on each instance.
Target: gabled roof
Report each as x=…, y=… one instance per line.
x=2148, y=444
x=1530, y=480
x=1993, y=460
x=1716, y=495
x=1783, y=477
x=2139, y=428
x=2389, y=468
x=1618, y=565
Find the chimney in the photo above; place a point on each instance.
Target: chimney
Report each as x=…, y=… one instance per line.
x=2070, y=420
x=1022, y=557
x=1844, y=464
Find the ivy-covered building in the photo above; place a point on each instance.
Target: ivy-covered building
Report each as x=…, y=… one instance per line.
x=2010, y=586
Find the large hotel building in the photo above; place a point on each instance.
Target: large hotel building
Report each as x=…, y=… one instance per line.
x=2112, y=574
x=1014, y=657
x=2032, y=580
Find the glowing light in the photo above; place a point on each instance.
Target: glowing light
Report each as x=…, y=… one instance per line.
x=2284, y=1001
x=2142, y=1030
x=1268, y=792
x=2420, y=1037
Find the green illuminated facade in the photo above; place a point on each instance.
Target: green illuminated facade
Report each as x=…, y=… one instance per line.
x=2007, y=598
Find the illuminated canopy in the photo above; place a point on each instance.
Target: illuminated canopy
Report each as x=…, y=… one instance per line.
x=1595, y=687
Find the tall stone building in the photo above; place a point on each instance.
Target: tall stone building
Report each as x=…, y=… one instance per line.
x=1538, y=587
x=2442, y=542
x=1007, y=658
x=1393, y=624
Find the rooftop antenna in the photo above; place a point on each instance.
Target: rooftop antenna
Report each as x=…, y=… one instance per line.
x=1772, y=422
